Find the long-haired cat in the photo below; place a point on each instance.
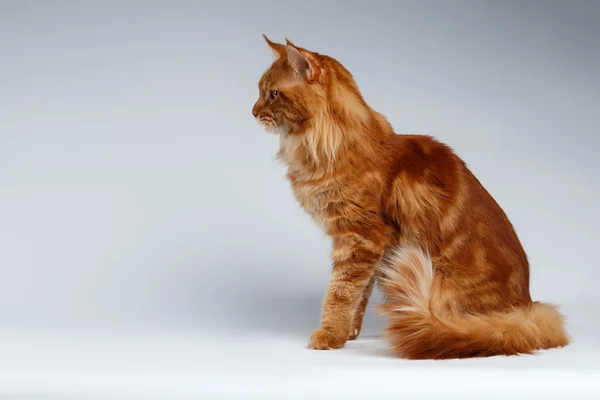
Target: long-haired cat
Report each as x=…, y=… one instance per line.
x=403, y=211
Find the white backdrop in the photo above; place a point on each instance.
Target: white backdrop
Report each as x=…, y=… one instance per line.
x=137, y=190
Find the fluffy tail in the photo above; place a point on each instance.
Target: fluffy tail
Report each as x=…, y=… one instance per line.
x=416, y=331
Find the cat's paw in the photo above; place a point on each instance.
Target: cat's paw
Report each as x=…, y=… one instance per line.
x=326, y=340
x=354, y=334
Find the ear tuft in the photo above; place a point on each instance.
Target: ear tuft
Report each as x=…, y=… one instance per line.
x=279, y=50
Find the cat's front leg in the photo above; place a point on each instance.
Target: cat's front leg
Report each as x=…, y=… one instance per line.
x=359, y=314
x=354, y=258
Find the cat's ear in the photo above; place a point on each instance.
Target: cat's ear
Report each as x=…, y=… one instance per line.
x=302, y=61
x=279, y=50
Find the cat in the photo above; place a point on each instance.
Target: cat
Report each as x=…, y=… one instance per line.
x=402, y=211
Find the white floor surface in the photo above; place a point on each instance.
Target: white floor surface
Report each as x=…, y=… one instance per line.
x=194, y=364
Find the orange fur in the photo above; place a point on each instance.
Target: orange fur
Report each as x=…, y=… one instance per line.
x=403, y=210
x=420, y=328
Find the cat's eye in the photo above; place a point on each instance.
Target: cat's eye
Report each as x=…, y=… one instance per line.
x=273, y=94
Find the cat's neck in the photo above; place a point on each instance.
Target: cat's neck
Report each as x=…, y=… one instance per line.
x=314, y=153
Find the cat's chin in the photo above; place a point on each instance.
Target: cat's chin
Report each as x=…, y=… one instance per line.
x=282, y=129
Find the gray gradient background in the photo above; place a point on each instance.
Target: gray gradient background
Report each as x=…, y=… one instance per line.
x=136, y=188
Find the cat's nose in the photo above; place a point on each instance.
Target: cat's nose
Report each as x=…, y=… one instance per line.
x=256, y=108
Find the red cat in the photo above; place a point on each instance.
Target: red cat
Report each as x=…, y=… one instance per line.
x=402, y=210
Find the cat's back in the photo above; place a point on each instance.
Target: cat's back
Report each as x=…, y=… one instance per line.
x=421, y=159
x=427, y=180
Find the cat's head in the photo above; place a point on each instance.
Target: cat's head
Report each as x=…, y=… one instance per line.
x=315, y=99
x=292, y=90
